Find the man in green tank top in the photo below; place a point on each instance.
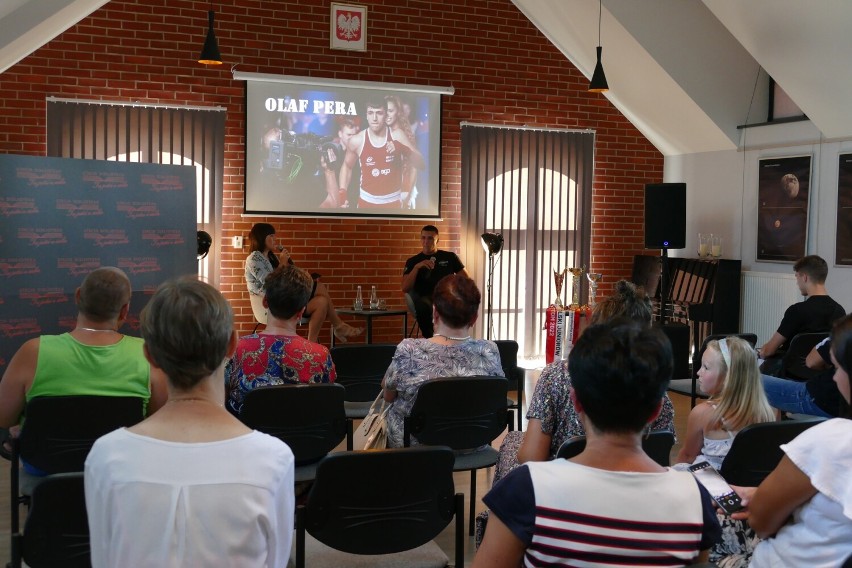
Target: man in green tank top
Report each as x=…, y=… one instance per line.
x=92, y=359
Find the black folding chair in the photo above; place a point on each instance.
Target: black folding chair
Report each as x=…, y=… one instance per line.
x=380, y=502
x=310, y=419
x=56, y=438
x=793, y=362
x=56, y=532
x=360, y=369
x=463, y=413
x=509, y=361
x=756, y=450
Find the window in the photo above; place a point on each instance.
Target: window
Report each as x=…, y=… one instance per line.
x=535, y=188
x=148, y=134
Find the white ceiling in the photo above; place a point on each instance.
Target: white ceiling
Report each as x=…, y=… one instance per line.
x=686, y=73
x=26, y=25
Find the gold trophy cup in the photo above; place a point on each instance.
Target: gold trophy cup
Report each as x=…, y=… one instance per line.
x=577, y=273
x=558, y=280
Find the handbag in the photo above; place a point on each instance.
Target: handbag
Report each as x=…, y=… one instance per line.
x=373, y=430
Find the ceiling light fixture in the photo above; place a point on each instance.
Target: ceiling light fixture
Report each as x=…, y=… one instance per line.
x=210, y=53
x=598, y=83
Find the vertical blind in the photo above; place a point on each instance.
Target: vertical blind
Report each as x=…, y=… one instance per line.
x=192, y=136
x=535, y=188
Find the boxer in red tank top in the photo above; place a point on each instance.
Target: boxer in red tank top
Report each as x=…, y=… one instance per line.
x=381, y=155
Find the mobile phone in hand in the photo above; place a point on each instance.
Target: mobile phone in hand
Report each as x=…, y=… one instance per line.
x=717, y=487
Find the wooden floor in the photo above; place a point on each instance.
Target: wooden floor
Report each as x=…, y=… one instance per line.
x=462, y=479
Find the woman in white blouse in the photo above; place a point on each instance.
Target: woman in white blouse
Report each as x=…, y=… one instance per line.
x=262, y=261
x=190, y=485
x=803, y=509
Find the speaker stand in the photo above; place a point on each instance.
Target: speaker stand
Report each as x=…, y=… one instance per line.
x=664, y=282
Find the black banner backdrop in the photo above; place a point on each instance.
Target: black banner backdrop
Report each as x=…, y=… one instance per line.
x=60, y=218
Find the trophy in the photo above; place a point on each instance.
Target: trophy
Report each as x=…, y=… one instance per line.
x=558, y=279
x=594, y=278
x=575, y=293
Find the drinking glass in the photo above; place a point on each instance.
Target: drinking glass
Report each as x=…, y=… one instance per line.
x=382, y=304
x=716, y=245
x=704, y=245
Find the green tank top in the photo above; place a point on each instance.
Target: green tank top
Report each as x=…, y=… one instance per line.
x=67, y=367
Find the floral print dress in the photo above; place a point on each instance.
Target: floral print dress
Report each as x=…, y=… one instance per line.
x=263, y=359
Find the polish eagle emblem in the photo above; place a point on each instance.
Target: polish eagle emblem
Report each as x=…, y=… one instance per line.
x=348, y=26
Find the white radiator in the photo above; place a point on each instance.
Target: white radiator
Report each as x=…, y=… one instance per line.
x=765, y=297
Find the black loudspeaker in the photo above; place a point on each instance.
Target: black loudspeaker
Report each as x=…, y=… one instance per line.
x=665, y=215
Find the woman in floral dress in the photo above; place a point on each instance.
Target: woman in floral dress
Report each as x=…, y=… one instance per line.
x=451, y=352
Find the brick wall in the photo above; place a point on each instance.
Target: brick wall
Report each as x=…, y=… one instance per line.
x=502, y=68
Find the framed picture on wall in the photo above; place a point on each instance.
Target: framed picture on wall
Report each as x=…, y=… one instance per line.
x=782, y=208
x=843, y=247
x=348, y=26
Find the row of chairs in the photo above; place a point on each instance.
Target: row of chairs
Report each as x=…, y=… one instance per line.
x=463, y=413
x=754, y=453
x=400, y=516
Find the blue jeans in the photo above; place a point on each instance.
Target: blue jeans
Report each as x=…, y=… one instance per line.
x=790, y=396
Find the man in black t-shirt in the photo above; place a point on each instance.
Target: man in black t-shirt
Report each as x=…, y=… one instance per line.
x=816, y=313
x=423, y=271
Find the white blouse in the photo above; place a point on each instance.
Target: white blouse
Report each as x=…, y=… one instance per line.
x=153, y=503
x=820, y=533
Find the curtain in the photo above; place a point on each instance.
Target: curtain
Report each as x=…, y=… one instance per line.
x=534, y=187
x=97, y=130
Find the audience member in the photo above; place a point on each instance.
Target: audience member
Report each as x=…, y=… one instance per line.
x=816, y=313
x=729, y=375
x=190, y=485
x=818, y=396
x=92, y=359
x=450, y=352
x=262, y=261
x=803, y=509
x=422, y=273
x=552, y=417
x=611, y=504
x=278, y=355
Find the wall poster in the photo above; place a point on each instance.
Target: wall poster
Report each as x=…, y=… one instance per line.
x=782, y=208
x=843, y=249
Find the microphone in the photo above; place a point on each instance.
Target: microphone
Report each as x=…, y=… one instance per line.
x=280, y=248
x=429, y=270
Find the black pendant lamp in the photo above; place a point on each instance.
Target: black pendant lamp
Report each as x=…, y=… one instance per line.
x=598, y=83
x=210, y=53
